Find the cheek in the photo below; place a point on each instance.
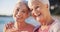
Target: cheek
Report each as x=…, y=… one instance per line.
x=26, y=15
x=15, y=13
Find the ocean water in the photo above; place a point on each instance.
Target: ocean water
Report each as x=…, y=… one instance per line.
x=5, y=20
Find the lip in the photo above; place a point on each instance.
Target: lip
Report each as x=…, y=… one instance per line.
x=19, y=17
x=38, y=15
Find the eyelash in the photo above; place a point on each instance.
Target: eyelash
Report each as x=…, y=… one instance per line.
x=37, y=7
x=23, y=11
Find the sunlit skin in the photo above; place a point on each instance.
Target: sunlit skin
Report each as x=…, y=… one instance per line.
x=21, y=12
x=41, y=13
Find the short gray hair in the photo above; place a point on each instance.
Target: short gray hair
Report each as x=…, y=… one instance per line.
x=42, y=1
x=24, y=1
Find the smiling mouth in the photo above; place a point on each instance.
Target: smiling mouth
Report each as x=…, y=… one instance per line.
x=38, y=15
x=19, y=17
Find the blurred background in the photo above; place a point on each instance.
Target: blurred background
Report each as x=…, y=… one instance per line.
x=7, y=6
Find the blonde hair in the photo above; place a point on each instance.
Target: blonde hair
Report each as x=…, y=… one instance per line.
x=20, y=1
x=24, y=1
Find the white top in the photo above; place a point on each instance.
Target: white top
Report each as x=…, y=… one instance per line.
x=55, y=26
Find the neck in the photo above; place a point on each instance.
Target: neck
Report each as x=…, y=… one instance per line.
x=20, y=24
x=48, y=21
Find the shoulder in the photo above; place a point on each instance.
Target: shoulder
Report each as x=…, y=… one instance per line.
x=30, y=25
x=56, y=23
x=55, y=26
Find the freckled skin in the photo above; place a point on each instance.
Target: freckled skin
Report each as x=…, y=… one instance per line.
x=20, y=13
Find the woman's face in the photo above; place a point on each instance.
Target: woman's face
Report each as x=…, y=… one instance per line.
x=21, y=12
x=39, y=11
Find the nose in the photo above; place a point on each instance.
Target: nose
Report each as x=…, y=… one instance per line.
x=18, y=14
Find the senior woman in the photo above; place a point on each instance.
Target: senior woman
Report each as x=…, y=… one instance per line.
x=40, y=11
x=20, y=14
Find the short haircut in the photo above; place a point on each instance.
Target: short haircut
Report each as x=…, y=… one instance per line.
x=42, y=1
x=24, y=1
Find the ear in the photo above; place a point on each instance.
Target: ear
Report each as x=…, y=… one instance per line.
x=46, y=5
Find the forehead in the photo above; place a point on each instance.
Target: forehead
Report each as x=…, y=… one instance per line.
x=36, y=3
x=22, y=6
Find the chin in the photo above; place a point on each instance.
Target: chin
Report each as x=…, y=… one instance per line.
x=41, y=20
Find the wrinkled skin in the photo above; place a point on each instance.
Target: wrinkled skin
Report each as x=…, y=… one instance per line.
x=21, y=12
x=40, y=11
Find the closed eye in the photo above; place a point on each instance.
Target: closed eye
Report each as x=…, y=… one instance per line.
x=23, y=11
x=37, y=7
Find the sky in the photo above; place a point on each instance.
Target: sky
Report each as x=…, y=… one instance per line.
x=7, y=6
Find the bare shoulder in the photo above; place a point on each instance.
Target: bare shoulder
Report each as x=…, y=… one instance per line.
x=31, y=26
